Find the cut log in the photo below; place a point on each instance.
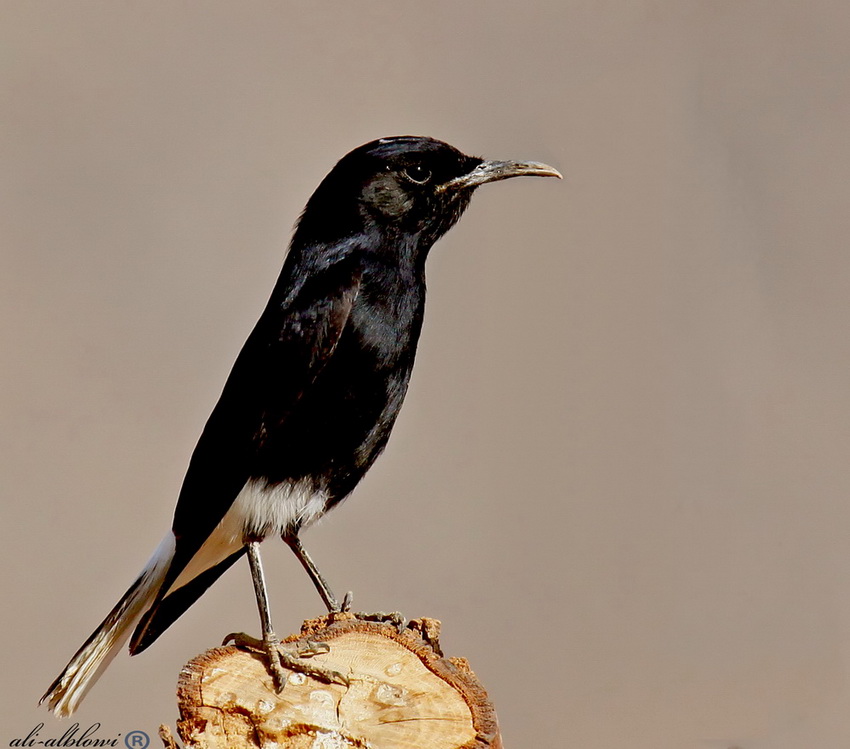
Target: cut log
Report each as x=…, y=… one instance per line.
x=401, y=694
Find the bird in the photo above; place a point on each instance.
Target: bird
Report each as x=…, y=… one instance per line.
x=313, y=394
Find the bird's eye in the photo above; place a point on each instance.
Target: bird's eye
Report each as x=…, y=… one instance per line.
x=417, y=173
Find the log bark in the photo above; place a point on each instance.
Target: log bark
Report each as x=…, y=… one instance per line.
x=402, y=694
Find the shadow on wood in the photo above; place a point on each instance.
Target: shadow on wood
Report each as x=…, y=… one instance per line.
x=402, y=694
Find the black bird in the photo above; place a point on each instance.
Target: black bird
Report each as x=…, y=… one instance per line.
x=314, y=393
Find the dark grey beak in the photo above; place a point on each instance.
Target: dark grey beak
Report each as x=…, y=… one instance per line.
x=492, y=171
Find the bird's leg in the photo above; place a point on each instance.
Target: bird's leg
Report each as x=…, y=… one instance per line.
x=394, y=617
x=270, y=644
x=319, y=581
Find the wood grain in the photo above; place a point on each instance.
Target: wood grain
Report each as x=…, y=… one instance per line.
x=402, y=693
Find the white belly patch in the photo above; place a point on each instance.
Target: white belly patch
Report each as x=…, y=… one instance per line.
x=259, y=510
x=262, y=510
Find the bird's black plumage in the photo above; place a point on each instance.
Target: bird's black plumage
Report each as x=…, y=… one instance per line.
x=317, y=387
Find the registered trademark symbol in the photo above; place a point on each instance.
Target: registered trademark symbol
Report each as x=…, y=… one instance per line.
x=137, y=740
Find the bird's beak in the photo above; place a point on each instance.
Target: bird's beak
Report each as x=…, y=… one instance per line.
x=491, y=171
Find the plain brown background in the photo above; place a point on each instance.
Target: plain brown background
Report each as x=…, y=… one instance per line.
x=620, y=478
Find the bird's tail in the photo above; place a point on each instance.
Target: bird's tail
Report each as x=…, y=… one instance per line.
x=84, y=669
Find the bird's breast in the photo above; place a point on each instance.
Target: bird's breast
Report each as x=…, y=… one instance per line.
x=342, y=422
x=386, y=319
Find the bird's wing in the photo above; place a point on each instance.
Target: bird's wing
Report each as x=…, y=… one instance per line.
x=287, y=350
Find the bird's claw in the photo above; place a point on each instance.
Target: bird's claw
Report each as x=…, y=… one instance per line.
x=310, y=648
x=244, y=641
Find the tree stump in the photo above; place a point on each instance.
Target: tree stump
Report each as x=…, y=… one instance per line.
x=402, y=694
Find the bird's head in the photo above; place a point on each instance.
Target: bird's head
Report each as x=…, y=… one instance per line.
x=404, y=185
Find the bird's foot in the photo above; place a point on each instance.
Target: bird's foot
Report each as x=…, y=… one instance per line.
x=393, y=617
x=291, y=657
x=396, y=618
x=296, y=663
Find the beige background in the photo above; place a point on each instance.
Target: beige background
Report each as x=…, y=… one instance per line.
x=620, y=478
